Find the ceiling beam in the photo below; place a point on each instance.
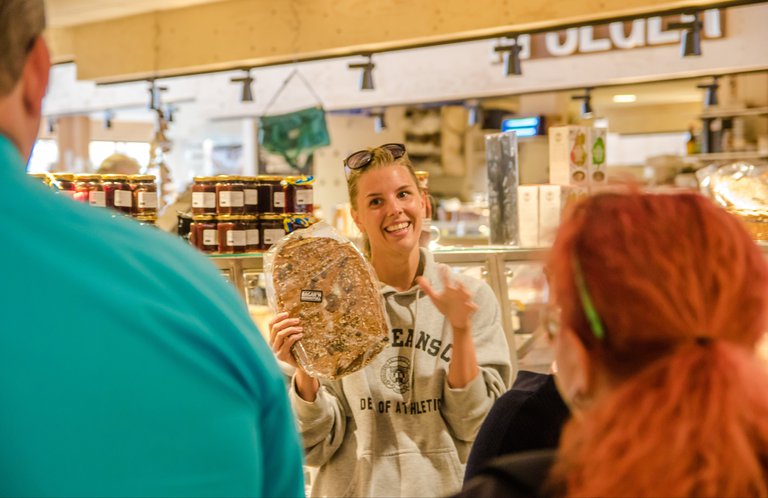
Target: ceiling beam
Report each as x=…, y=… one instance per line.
x=231, y=34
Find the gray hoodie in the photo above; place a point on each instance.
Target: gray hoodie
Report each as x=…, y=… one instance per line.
x=393, y=430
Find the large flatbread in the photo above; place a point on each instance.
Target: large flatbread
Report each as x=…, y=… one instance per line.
x=328, y=285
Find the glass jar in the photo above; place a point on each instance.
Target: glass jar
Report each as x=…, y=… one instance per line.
x=271, y=195
x=144, y=191
x=64, y=184
x=203, y=233
x=231, y=234
x=229, y=195
x=251, y=195
x=252, y=235
x=117, y=193
x=298, y=194
x=204, y=195
x=271, y=230
x=89, y=190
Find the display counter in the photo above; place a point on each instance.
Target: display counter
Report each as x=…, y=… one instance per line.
x=515, y=275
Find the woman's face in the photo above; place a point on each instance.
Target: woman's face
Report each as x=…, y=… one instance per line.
x=389, y=209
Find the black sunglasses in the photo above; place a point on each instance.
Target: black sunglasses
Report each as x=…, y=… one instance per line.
x=362, y=158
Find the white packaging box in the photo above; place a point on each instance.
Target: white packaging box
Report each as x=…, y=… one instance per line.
x=569, y=155
x=528, y=215
x=598, y=174
x=551, y=201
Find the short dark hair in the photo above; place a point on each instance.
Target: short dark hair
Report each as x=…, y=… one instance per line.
x=21, y=22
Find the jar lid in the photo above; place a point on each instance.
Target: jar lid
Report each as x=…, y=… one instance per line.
x=271, y=216
x=38, y=175
x=250, y=217
x=141, y=178
x=203, y=217
x=67, y=177
x=87, y=177
x=249, y=178
x=204, y=179
x=269, y=178
x=228, y=178
x=231, y=217
x=148, y=217
x=113, y=178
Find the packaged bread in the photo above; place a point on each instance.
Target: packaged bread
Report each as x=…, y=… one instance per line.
x=322, y=279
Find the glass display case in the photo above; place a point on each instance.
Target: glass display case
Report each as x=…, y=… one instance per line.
x=515, y=276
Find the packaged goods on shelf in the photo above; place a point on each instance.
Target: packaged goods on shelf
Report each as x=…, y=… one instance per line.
x=528, y=215
x=569, y=155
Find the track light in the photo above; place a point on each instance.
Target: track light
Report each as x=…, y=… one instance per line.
x=247, y=81
x=586, y=105
x=711, y=88
x=379, y=124
x=473, y=112
x=366, y=79
x=51, y=125
x=108, y=117
x=155, y=95
x=511, y=57
x=170, y=112
x=690, y=43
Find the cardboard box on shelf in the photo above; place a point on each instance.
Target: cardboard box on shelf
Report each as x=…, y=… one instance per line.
x=528, y=214
x=569, y=155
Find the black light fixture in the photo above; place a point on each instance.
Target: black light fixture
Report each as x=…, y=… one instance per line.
x=586, y=104
x=366, y=79
x=108, y=117
x=711, y=88
x=511, y=54
x=155, y=95
x=473, y=111
x=690, y=43
x=51, y=125
x=170, y=112
x=379, y=124
x=247, y=81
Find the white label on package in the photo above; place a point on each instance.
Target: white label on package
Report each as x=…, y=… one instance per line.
x=203, y=199
x=251, y=197
x=231, y=199
x=236, y=238
x=279, y=199
x=272, y=235
x=147, y=199
x=304, y=197
x=209, y=237
x=123, y=198
x=97, y=199
x=251, y=237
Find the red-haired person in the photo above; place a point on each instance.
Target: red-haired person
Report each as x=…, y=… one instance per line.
x=661, y=300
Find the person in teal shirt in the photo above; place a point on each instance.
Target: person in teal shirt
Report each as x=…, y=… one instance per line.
x=128, y=366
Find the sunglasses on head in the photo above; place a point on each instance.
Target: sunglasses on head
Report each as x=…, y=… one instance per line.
x=363, y=158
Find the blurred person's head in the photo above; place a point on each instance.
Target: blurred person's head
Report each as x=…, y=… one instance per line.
x=662, y=299
x=119, y=164
x=24, y=66
x=386, y=200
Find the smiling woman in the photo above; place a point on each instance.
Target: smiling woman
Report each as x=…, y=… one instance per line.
x=406, y=421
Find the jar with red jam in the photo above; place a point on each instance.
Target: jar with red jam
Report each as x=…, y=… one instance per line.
x=299, y=194
x=144, y=190
x=89, y=190
x=204, y=195
x=203, y=233
x=64, y=184
x=271, y=230
x=252, y=235
x=250, y=195
x=229, y=195
x=231, y=234
x=118, y=193
x=271, y=195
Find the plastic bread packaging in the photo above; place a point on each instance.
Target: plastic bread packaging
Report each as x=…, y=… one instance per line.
x=321, y=278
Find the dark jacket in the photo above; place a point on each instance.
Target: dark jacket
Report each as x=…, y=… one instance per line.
x=511, y=476
x=528, y=417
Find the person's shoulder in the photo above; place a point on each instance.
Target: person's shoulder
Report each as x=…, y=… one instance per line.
x=519, y=474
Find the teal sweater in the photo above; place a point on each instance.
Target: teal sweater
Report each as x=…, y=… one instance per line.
x=128, y=366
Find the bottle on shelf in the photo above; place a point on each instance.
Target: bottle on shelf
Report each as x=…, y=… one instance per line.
x=691, y=146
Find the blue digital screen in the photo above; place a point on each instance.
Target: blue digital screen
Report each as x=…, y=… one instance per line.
x=524, y=127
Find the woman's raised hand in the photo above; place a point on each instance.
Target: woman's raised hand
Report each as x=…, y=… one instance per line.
x=283, y=334
x=455, y=301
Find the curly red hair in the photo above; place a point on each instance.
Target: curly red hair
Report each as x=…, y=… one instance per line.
x=682, y=292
